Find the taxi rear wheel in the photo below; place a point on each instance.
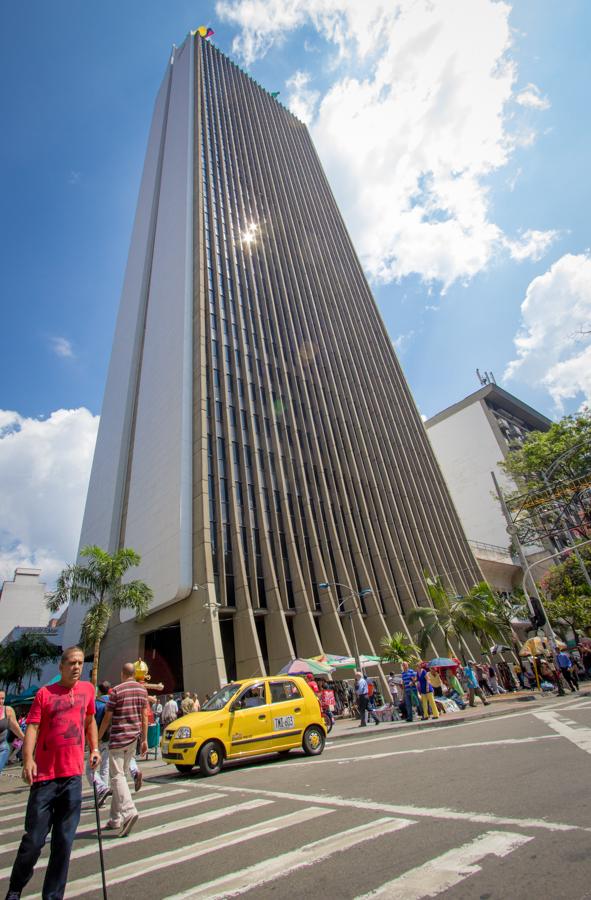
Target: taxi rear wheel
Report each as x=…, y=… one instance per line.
x=211, y=757
x=184, y=769
x=314, y=740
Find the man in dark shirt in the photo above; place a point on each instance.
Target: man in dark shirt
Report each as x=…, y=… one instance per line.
x=127, y=717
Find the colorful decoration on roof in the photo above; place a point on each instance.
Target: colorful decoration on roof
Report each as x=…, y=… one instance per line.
x=205, y=32
x=275, y=93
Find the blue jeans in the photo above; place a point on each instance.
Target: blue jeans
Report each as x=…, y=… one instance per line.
x=52, y=805
x=411, y=698
x=4, y=754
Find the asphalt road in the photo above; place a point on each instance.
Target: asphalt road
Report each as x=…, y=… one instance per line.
x=497, y=808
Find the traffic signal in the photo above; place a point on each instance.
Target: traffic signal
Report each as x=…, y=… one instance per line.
x=538, y=618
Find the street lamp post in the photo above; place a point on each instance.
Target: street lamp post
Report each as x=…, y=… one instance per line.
x=364, y=592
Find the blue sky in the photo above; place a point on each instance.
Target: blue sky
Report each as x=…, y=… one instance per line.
x=455, y=135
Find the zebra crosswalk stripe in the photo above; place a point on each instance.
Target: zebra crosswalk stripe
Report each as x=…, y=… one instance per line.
x=157, y=831
x=86, y=809
x=169, y=807
x=157, y=861
x=449, y=869
x=277, y=866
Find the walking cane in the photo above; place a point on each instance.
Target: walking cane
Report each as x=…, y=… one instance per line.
x=100, y=836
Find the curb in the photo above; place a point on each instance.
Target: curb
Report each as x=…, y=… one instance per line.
x=397, y=728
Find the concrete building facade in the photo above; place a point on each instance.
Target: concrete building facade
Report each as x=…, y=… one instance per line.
x=470, y=439
x=257, y=436
x=22, y=601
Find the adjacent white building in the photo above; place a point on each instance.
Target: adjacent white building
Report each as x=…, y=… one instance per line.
x=470, y=439
x=22, y=602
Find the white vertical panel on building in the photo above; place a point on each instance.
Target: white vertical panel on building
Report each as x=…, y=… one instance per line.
x=159, y=520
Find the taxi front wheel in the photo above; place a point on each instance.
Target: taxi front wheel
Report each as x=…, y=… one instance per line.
x=211, y=757
x=314, y=740
x=184, y=770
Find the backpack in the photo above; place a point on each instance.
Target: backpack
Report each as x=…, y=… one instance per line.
x=100, y=709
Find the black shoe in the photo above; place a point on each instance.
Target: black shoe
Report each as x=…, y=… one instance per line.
x=102, y=797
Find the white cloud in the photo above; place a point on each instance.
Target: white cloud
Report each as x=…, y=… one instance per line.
x=552, y=347
x=531, y=245
x=402, y=341
x=532, y=97
x=61, y=346
x=74, y=177
x=44, y=472
x=415, y=118
x=302, y=100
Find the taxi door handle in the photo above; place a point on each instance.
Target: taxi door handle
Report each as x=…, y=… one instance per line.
x=297, y=709
x=263, y=716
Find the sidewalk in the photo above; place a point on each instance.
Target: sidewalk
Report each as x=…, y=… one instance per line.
x=499, y=705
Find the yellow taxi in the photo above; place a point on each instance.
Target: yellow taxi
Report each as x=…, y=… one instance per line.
x=247, y=718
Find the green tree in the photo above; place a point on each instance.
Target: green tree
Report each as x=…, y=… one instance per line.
x=569, y=609
x=453, y=617
x=98, y=585
x=541, y=449
x=25, y=656
x=397, y=649
x=499, y=612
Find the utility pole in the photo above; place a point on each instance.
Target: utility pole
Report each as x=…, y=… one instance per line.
x=513, y=531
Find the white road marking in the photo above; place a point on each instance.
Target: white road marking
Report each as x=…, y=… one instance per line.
x=581, y=735
x=114, y=843
x=158, y=861
x=87, y=801
x=239, y=882
x=411, y=811
x=169, y=807
x=418, y=750
x=90, y=812
x=449, y=869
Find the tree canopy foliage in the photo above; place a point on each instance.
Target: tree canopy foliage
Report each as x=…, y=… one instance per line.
x=25, y=656
x=452, y=617
x=541, y=449
x=397, y=648
x=98, y=585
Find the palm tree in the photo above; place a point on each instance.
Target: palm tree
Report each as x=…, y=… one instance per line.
x=397, y=649
x=25, y=656
x=453, y=617
x=499, y=612
x=98, y=586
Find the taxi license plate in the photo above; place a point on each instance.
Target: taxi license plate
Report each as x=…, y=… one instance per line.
x=283, y=722
x=164, y=747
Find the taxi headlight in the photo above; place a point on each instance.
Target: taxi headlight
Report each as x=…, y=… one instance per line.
x=183, y=732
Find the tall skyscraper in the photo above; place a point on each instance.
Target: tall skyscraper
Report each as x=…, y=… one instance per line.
x=257, y=437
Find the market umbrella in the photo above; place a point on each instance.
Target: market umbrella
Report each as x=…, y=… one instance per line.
x=442, y=662
x=533, y=647
x=303, y=666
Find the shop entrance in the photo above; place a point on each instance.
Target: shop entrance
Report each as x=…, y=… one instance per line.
x=164, y=657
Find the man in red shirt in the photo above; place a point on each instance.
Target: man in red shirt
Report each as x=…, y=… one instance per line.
x=127, y=717
x=53, y=763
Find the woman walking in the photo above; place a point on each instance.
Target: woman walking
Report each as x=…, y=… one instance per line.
x=7, y=723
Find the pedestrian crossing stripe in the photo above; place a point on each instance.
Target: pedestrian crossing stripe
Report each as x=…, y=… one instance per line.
x=277, y=866
x=20, y=814
x=114, y=843
x=170, y=807
x=145, y=815
x=158, y=861
x=449, y=869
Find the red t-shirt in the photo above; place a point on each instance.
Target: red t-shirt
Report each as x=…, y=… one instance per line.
x=60, y=713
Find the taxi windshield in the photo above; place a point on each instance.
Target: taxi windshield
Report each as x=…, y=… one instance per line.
x=223, y=696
